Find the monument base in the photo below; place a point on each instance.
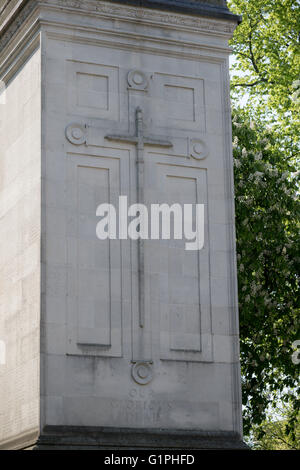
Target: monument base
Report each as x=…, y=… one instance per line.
x=97, y=438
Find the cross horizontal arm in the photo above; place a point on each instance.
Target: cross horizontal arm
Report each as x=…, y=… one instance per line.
x=158, y=142
x=123, y=138
x=133, y=139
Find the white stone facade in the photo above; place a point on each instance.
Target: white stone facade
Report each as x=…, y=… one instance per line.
x=76, y=71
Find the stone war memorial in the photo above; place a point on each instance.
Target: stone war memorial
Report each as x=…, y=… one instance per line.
x=120, y=342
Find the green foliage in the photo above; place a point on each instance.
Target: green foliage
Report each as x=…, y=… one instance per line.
x=267, y=219
x=267, y=48
x=265, y=77
x=272, y=435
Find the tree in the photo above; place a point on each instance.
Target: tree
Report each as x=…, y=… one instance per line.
x=266, y=46
x=265, y=76
x=272, y=435
x=267, y=221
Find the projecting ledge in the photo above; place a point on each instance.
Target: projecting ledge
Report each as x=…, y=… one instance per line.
x=81, y=437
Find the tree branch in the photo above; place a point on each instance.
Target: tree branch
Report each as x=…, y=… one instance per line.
x=248, y=84
x=276, y=436
x=251, y=53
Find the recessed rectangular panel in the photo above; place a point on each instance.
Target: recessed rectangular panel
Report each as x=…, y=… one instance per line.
x=179, y=102
x=93, y=90
x=93, y=265
x=94, y=292
x=185, y=331
x=184, y=300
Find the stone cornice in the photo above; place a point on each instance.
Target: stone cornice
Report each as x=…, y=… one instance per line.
x=161, y=12
x=206, y=8
x=12, y=17
x=209, y=8
x=122, y=9
x=196, y=8
x=9, y=10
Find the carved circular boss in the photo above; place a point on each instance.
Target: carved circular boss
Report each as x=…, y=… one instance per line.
x=198, y=149
x=76, y=133
x=137, y=80
x=142, y=372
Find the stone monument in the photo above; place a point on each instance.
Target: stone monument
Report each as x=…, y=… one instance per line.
x=116, y=343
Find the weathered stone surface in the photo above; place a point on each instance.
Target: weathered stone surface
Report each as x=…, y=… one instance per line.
x=20, y=233
x=69, y=438
x=76, y=73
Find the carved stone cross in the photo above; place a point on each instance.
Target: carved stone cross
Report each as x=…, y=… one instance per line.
x=140, y=140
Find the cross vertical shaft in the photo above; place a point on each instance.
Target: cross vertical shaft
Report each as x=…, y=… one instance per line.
x=140, y=140
x=140, y=200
